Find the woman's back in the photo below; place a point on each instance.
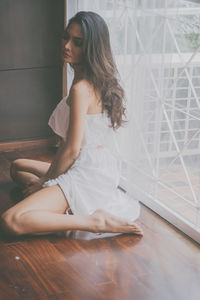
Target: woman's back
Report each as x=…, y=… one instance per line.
x=96, y=103
x=98, y=130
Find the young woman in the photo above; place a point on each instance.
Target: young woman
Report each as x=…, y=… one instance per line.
x=83, y=178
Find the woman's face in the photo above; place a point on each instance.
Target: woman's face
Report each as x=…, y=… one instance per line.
x=72, y=44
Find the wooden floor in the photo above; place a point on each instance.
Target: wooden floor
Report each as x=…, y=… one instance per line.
x=164, y=264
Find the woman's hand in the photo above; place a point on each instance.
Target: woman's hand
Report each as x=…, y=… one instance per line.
x=33, y=187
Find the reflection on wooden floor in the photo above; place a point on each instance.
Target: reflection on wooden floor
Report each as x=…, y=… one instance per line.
x=181, y=189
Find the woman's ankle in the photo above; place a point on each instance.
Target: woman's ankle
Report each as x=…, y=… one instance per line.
x=97, y=221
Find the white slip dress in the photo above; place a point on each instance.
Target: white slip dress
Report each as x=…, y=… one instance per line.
x=91, y=183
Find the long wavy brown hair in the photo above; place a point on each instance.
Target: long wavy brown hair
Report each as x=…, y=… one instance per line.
x=99, y=67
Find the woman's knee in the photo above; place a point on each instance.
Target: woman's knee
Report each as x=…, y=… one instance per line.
x=15, y=166
x=10, y=222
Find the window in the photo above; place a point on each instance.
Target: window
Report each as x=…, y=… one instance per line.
x=156, y=46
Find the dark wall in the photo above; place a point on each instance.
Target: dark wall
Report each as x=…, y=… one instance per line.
x=30, y=66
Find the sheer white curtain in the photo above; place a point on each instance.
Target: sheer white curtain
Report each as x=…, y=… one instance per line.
x=156, y=47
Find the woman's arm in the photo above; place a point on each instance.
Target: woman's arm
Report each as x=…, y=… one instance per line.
x=69, y=150
x=36, y=185
x=62, y=161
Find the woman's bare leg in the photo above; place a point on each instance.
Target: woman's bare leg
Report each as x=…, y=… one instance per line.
x=44, y=212
x=23, y=171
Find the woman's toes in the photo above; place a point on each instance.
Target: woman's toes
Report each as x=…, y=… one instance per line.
x=137, y=229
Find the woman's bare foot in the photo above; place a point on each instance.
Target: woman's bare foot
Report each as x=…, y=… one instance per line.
x=106, y=222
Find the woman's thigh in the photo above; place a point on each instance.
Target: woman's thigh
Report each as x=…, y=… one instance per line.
x=35, y=167
x=50, y=198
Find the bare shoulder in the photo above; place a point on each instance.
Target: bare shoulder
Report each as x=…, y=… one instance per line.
x=80, y=95
x=83, y=84
x=80, y=90
x=82, y=87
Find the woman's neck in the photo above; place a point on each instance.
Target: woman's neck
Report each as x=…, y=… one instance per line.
x=78, y=72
